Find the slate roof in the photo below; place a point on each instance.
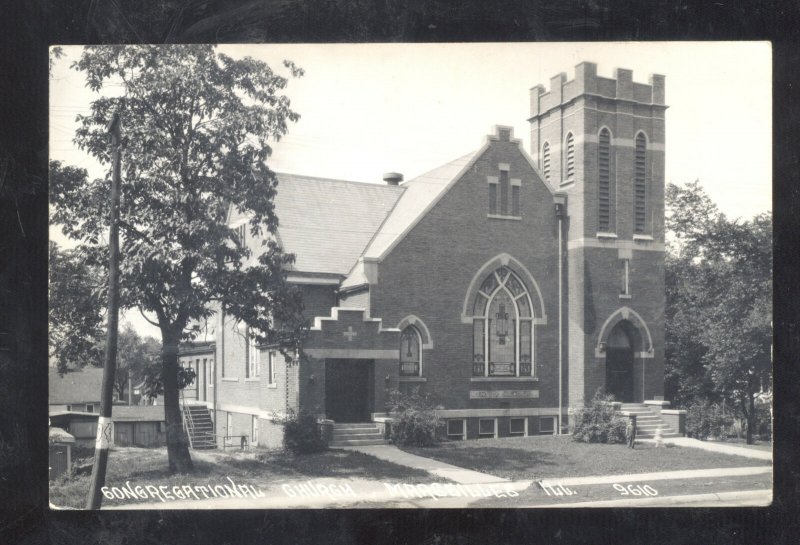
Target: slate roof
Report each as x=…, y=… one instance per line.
x=76, y=386
x=327, y=223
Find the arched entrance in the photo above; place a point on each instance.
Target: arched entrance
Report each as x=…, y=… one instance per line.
x=619, y=362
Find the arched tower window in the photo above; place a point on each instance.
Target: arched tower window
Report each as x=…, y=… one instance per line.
x=502, y=327
x=410, y=352
x=569, y=158
x=604, y=181
x=640, y=185
x=546, y=161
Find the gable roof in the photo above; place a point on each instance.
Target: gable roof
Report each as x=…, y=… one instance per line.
x=327, y=223
x=75, y=386
x=421, y=193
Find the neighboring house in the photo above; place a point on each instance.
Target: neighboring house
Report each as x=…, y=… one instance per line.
x=75, y=407
x=510, y=287
x=77, y=391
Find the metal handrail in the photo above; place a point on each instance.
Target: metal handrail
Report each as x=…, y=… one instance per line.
x=188, y=425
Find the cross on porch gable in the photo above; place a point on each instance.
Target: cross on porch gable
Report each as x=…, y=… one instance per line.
x=350, y=333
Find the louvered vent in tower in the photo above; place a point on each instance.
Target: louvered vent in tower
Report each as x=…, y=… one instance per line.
x=569, y=166
x=604, y=184
x=546, y=161
x=640, y=184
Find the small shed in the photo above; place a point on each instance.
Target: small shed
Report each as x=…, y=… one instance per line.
x=81, y=425
x=139, y=426
x=61, y=444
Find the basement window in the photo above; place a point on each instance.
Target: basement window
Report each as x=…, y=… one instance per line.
x=487, y=428
x=456, y=429
x=547, y=425
x=518, y=427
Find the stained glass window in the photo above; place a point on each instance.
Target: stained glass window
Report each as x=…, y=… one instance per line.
x=480, y=305
x=477, y=347
x=410, y=352
x=502, y=335
x=502, y=327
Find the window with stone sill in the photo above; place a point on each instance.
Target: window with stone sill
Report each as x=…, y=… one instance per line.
x=504, y=195
x=503, y=329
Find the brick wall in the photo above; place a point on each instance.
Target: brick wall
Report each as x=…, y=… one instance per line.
x=429, y=272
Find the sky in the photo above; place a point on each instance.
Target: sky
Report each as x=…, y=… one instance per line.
x=367, y=109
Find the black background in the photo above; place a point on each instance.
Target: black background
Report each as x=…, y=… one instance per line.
x=26, y=31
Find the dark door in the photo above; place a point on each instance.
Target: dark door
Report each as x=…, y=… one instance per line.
x=619, y=365
x=348, y=395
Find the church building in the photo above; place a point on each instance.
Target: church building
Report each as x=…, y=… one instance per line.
x=510, y=285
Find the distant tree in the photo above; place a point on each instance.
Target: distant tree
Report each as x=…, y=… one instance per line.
x=196, y=129
x=137, y=358
x=719, y=304
x=76, y=308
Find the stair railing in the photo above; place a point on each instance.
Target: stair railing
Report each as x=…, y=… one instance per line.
x=188, y=424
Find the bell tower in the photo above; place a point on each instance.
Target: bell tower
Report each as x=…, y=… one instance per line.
x=600, y=141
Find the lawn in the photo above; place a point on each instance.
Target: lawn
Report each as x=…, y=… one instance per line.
x=260, y=468
x=521, y=458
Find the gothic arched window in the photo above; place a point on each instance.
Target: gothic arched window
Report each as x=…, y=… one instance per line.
x=502, y=327
x=410, y=352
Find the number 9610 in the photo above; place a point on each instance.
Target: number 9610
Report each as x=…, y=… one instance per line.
x=635, y=490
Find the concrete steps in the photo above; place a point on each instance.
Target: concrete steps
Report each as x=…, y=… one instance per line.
x=357, y=434
x=648, y=422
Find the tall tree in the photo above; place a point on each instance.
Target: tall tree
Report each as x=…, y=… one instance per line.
x=719, y=311
x=197, y=128
x=76, y=307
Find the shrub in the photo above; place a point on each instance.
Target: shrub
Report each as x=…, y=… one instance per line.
x=414, y=419
x=598, y=422
x=301, y=433
x=705, y=419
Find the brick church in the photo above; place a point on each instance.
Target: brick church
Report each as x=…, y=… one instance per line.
x=510, y=285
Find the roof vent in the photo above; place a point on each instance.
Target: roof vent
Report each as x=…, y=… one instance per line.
x=392, y=178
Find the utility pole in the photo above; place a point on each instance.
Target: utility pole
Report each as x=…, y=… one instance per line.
x=105, y=426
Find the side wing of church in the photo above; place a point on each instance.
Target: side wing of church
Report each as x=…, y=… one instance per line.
x=509, y=286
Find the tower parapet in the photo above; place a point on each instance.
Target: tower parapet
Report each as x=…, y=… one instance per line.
x=587, y=82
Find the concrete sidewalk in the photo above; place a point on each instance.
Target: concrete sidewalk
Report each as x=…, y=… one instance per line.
x=718, y=447
x=737, y=498
x=660, y=476
x=391, y=453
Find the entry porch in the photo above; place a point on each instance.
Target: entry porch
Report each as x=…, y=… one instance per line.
x=348, y=359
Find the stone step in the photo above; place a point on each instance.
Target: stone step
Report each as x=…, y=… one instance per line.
x=337, y=431
x=350, y=425
x=650, y=435
x=357, y=442
x=357, y=436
